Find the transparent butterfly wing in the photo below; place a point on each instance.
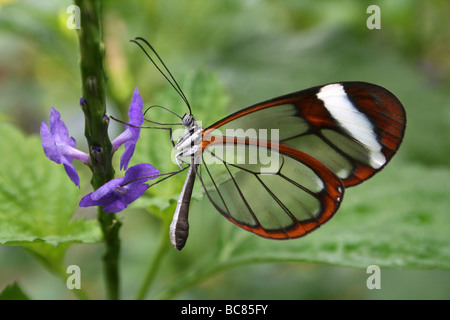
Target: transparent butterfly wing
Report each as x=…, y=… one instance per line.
x=286, y=198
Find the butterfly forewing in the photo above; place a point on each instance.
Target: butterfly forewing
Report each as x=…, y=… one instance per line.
x=353, y=128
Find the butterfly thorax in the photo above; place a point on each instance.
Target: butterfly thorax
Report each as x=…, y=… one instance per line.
x=189, y=143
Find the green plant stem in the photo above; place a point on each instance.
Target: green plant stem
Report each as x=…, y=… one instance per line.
x=163, y=245
x=96, y=130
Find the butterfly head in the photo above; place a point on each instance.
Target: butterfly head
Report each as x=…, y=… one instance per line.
x=188, y=120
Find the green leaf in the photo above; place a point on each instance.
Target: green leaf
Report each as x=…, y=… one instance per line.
x=397, y=219
x=13, y=292
x=37, y=200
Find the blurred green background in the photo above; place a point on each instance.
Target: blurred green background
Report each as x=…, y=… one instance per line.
x=245, y=52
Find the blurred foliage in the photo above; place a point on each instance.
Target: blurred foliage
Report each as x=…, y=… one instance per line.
x=227, y=55
x=13, y=292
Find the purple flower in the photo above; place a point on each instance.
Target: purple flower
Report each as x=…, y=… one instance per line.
x=59, y=147
x=118, y=193
x=131, y=134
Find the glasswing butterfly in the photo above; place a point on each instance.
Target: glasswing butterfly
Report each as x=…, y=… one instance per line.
x=279, y=168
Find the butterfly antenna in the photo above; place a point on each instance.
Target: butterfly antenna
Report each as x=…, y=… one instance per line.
x=169, y=77
x=157, y=106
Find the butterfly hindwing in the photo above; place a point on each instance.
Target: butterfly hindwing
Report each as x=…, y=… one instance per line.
x=286, y=198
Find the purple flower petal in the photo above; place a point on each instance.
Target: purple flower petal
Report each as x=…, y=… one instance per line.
x=135, y=111
x=72, y=173
x=115, y=206
x=59, y=130
x=131, y=134
x=60, y=147
x=118, y=193
x=126, y=155
x=49, y=144
x=102, y=193
x=141, y=171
